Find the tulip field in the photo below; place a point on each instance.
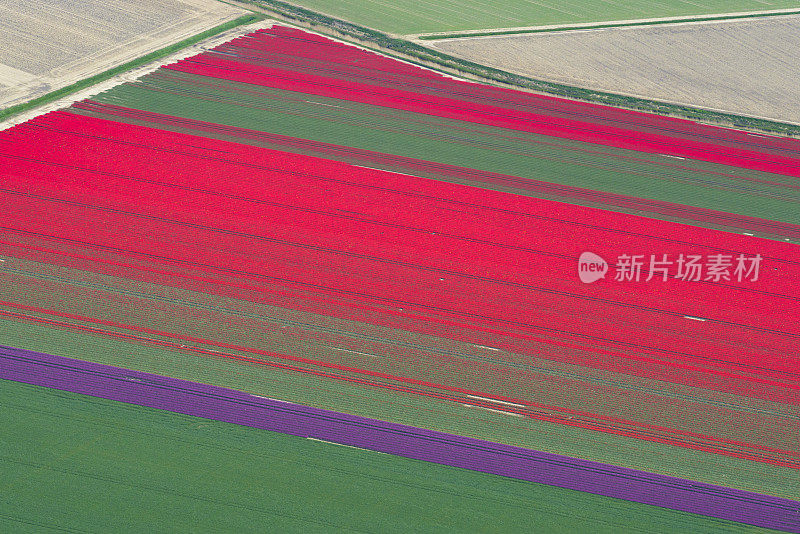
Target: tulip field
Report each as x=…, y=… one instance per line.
x=304, y=220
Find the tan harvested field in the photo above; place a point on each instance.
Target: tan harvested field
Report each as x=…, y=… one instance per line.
x=45, y=45
x=749, y=67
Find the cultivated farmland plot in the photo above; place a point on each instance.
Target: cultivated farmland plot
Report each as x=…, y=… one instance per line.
x=747, y=67
x=199, y=216
x=48, y=45
x=358, y=255
x=382, y=488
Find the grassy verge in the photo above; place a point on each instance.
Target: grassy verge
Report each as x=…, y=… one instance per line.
x=459, y=35
x=103, y=76
x=418, y=54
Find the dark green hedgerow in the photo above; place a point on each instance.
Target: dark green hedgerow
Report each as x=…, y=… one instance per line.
x=432, y=58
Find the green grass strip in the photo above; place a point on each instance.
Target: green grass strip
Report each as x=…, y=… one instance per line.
x=72, y=462
x=660, y=22
x=453, y=143
x=103, y=76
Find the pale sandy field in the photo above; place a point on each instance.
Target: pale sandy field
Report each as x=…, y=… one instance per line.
x=45, y=45
x=749, y=67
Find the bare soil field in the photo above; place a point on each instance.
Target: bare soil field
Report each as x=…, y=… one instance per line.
x=747, y=67
x=48, y=45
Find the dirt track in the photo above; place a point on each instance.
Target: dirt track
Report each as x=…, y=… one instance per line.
x=45, y=46
x=133, y=74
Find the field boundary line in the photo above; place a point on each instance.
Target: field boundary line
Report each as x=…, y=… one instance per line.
x=92, y=85
x=661, y=21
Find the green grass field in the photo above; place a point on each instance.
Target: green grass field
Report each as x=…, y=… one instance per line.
x=76, y=463
x=420, y=16
x=407, y=408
